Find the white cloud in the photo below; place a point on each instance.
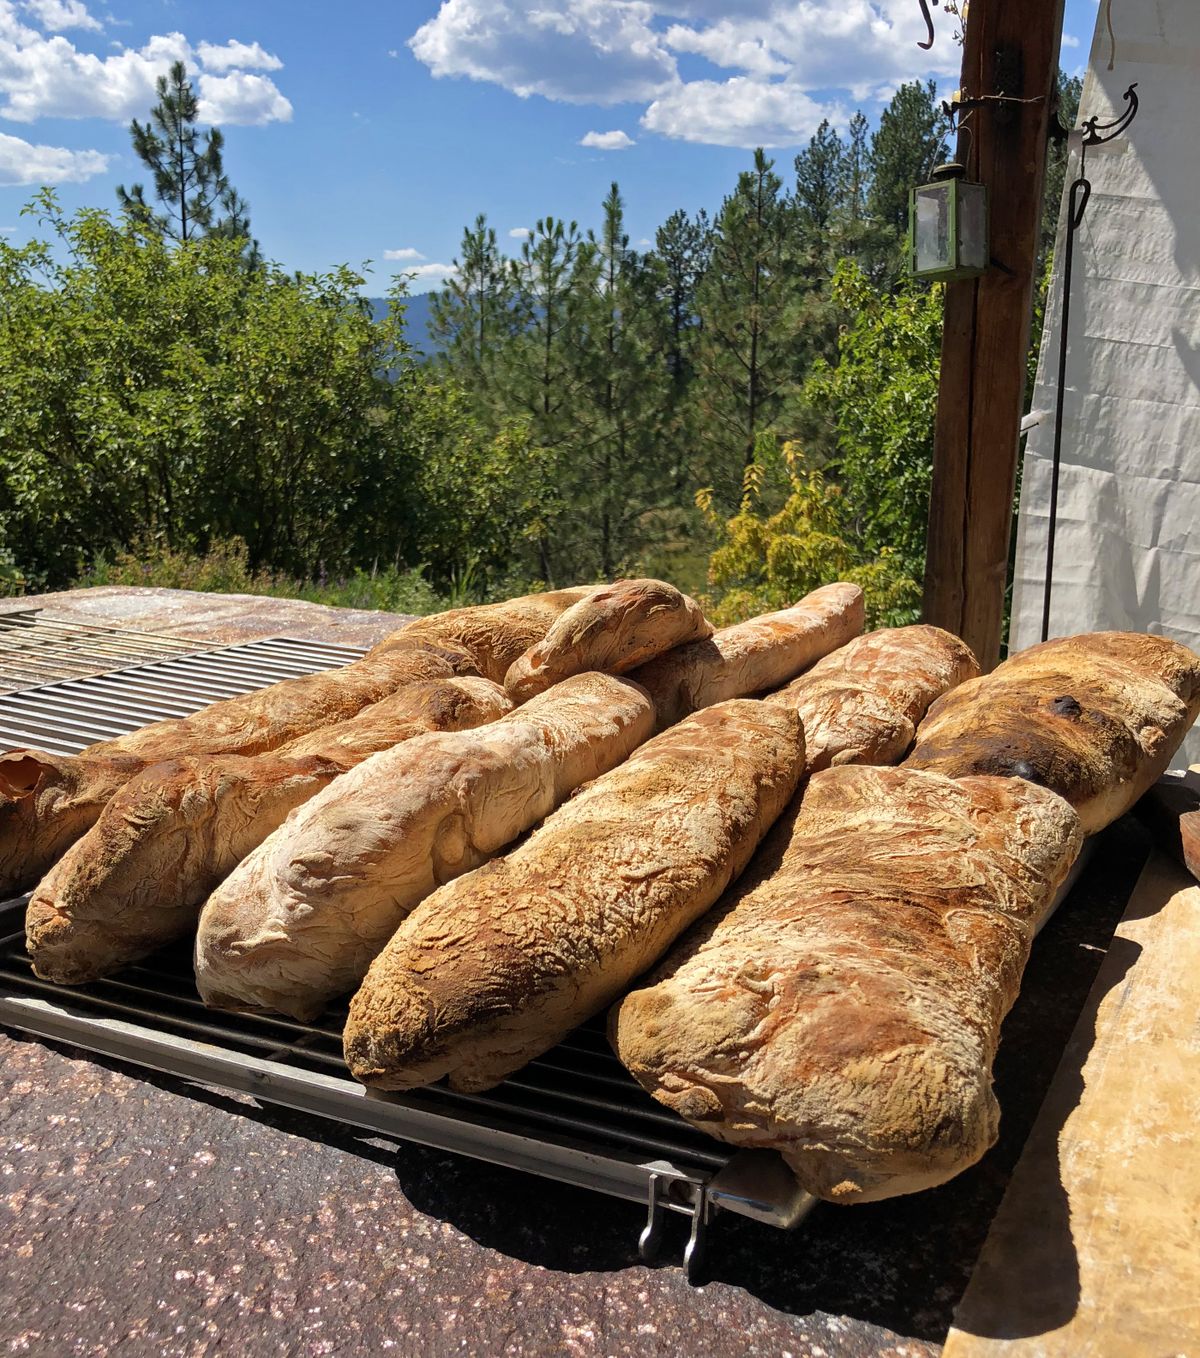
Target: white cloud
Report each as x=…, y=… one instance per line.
x=225, y=57
x=406, y=253
x=741, y=111
x=392, y=52
x=607, y=141
x=59, y=14
x=1070, y=40
x=579, y=51
x=520, y=233
x=22, y=162
x=48, y=77
x=789, y=62
x=433, y=271
x=240, y=97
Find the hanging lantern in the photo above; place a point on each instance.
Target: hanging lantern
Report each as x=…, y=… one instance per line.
x=948, y=227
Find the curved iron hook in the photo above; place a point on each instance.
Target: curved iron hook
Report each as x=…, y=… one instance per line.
x=1095, y=133
x=925, y=14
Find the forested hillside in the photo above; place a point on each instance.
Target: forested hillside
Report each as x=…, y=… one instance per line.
x=744, y=406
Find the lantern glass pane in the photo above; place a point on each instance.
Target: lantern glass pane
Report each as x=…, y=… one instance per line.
x=933, y=245
x=972, y=226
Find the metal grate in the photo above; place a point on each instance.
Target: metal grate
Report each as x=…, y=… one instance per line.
x=37, y=644
x=64, y=716
x=575, y=1114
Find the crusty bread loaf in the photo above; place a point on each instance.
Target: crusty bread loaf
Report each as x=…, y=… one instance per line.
x=48, y=801
x=1095, y=717
x=862, y=703
x=138, y=877
x=843, y=1005
x=500, y=965
x=495, y=634
x=614, y=629
x=752, y=656
x=300, y=920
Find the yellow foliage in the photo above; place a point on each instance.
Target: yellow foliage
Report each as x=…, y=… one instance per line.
x=767, y=561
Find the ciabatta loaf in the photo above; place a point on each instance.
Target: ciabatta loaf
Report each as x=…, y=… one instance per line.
x=495, y=634
x=614, y=629
x=752, y=656
x=299, y=921
x=138, y=877
x=500, y=965
x=861, y=704
x=1095, y=717
x=48, y=801
x=843, y=1005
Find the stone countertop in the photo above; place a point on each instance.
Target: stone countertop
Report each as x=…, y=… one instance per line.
x=144, y=1216
x=141, y=1215
x=219, y=619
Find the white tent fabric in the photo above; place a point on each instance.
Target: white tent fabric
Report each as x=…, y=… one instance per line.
x=1127, y=550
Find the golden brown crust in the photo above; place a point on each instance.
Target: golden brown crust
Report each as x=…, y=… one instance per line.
x=861, y=704
x=752, y=656
x=299, y=921
x=47, y=802
x=137, y=878
x=494, y=634
x=499, y=965
x=843, y=1005
x=613, y=629
x=1094, y=717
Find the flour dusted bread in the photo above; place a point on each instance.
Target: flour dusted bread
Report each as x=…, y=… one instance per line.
x=843, y=1005
x=752, y=656
x=138, y=877
x=861, y=704
x=494, y=634
x=498, y=966
x=48, y=801
x=613, y=629
x=299, y=921
x=1096, y=717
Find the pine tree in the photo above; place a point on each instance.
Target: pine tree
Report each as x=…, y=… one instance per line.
x=750, y=348
x=189, y=173
x=620, y=473
x=552, y=281
x=820, y=182
x=683, y=247
x=472, y=315
x=910, y=142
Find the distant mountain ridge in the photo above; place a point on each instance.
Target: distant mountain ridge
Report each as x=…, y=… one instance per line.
x=418, y=311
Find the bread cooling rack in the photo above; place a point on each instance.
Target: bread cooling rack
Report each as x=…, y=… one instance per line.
x=574, y=1115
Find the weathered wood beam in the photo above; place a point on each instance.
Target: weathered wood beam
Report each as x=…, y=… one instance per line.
x=1011, y=50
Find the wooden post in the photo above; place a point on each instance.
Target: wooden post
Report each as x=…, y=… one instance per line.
x=1011, y=49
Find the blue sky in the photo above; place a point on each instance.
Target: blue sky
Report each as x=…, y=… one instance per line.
x=357, y=129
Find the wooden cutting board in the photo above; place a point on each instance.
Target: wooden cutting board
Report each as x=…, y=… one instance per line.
x=1095, y=1250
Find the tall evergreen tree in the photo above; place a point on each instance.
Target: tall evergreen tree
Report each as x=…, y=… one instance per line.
x=552, y=281
x=683, y=247
x=909, y=143
x=820, y=182
x=472, y=315
x=620, y=473
x=189, y=173
x=749, y=349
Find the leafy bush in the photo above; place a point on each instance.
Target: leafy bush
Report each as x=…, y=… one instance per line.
x=225, y=569
x=767, y=561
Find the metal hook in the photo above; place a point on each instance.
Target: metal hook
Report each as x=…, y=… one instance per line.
x=925, y=14
x=651, y=1236
x=1095, y=133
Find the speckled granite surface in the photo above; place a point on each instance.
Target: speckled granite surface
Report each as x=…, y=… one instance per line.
x=219, y=618
x=140, y=1216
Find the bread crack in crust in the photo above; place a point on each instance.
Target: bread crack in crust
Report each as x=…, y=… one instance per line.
x=843, y=1004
